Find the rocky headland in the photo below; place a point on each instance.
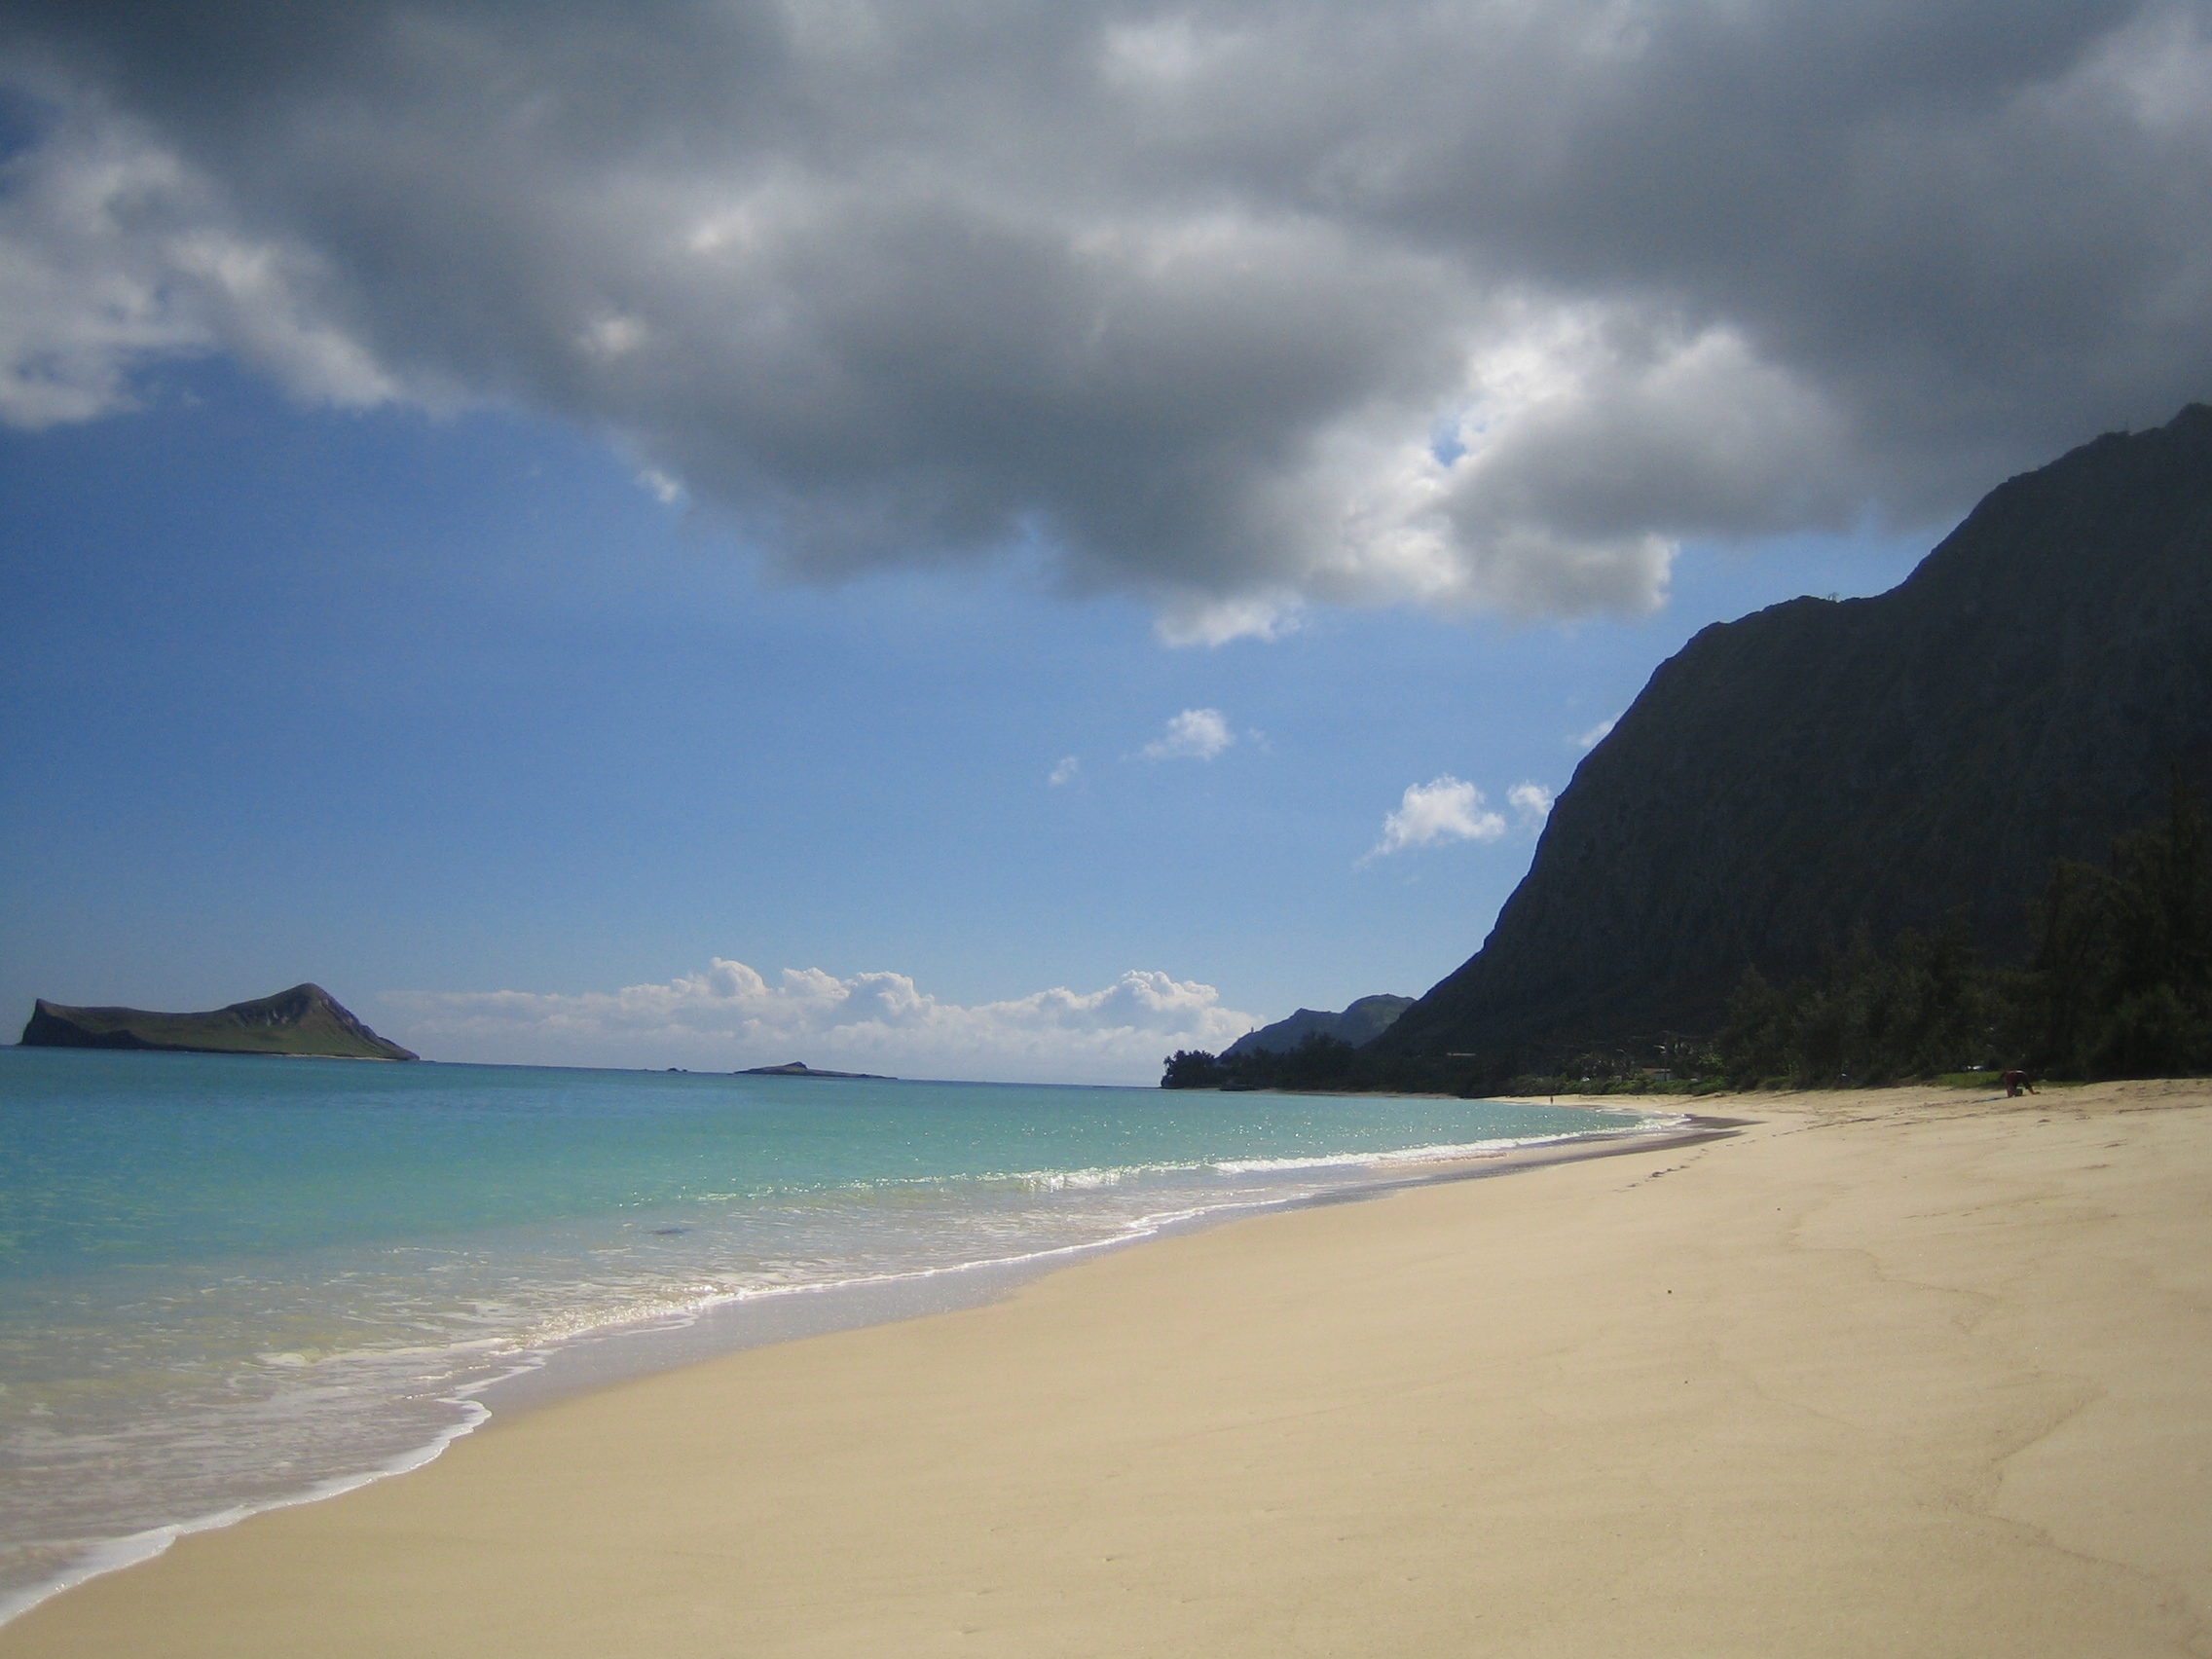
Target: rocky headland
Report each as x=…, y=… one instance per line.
x=306, y=1020
x=1827, y=769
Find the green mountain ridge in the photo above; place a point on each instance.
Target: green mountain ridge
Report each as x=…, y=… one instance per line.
x=1361, y=1022
x=306, y=1020
x=1822, y=771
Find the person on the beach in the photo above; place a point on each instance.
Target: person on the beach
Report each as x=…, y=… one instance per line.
x=2016, y=1080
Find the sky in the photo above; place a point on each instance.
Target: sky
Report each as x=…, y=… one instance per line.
x=973, y=541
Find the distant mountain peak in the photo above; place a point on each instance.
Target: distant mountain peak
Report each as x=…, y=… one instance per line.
x=1361, y=1022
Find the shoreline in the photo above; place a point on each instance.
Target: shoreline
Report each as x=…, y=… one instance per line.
x=627, y=1353
x=1952, y=1401
x=623, y=1353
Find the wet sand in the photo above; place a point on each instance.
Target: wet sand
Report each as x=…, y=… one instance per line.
x=1896, y=1372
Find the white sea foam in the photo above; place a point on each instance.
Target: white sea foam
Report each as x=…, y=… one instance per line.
x=92, y=1558
x=161, y=1396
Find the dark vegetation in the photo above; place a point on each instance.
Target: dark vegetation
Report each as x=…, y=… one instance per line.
x=1317, y=1062
x=2119, y=984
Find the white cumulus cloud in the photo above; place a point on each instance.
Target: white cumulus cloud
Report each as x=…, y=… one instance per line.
x=1532, y=801
x=1441, y=810
x=115, y=254
x=729, y=1016
x=1596, y=735
x=1067, y=772
x=1195, y=734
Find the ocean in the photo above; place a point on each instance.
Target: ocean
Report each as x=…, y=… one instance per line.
x=230, y=1283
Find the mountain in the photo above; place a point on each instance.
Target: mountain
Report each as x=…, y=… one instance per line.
x=1820, y=767
x=1361, y=1022
x=306, y=1019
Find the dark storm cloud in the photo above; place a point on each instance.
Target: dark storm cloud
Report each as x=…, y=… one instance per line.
x=1240, y=307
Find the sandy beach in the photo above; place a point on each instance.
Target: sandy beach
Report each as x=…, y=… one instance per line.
x=1897, y=1372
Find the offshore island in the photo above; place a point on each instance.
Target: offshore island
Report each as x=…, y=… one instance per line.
x=305, y=1021
x=799, y=1068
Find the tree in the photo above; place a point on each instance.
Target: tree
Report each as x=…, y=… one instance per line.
x=1191, y=1068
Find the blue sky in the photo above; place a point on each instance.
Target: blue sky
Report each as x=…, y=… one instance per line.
x=404, y=704
x=973, y=539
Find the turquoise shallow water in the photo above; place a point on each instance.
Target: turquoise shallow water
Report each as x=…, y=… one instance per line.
x=232, y=1283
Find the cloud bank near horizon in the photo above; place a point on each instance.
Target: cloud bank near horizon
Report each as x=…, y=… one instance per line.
x=730, y=1017
x=1236, y=308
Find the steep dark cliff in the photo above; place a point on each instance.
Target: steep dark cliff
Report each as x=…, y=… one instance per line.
x=306, y=1019
x=1878, y=763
